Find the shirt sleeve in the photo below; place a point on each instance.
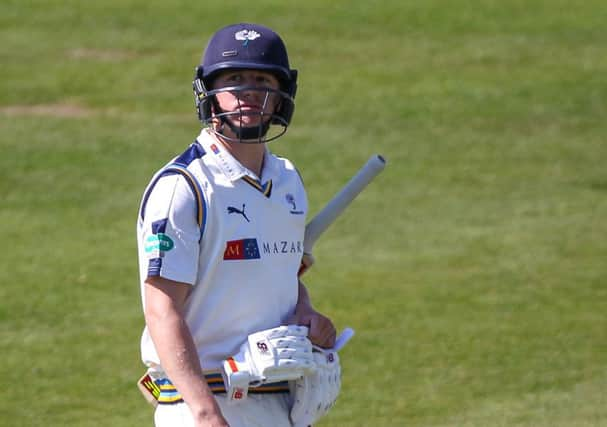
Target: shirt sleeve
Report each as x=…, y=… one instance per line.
x=170, y=235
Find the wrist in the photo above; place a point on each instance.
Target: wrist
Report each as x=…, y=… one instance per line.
x=203, y=406
x=206, y=412
x=304, y=307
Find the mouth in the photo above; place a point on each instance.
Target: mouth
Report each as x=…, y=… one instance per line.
x=250, y=107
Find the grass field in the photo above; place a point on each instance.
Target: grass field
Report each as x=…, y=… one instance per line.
x=474, y=269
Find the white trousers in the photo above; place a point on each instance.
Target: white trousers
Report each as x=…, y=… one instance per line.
x=257, y=410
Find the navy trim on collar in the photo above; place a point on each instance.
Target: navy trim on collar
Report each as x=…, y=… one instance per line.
x=193, y=152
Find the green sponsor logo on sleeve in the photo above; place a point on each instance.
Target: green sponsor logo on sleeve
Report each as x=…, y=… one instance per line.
x=159, y=242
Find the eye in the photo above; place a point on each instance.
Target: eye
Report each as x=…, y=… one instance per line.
x=267, y=81
x=234, y=78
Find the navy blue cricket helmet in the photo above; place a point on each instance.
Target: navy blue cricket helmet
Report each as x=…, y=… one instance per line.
x=245, y=47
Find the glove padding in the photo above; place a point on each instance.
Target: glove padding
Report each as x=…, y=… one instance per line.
x=313, y=395
x=272, y=355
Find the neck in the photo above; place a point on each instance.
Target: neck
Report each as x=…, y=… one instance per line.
x=249, y=155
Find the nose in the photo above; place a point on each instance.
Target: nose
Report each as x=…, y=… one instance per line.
x=252, y=89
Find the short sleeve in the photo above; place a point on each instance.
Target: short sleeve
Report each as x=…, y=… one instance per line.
x=170, y=234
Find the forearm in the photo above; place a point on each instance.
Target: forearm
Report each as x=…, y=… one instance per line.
x=179, y=360
x=303, y=298
x=176, y=349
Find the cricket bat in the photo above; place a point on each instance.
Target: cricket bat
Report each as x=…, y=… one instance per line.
x=335, y=207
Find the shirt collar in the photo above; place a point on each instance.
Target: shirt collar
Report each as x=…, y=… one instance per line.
x=231, y=168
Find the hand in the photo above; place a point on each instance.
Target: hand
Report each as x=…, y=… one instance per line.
x=322, y=331
x=306, y=262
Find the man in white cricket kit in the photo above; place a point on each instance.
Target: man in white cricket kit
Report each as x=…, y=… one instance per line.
x=220, y=234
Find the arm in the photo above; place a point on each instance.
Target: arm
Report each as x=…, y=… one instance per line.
x=322, y=330
x=175, y=346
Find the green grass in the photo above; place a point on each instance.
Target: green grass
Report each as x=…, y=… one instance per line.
x=473, y=269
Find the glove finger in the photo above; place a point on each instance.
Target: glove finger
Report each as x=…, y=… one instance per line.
x=294, y=353
x=299, y=367
x=287, y=330
x=297, y=342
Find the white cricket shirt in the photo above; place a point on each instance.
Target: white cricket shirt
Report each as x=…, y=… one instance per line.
x=208, y=221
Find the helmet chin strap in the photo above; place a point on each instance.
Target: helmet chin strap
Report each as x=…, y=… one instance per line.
x=247, y=135
x=244, y=134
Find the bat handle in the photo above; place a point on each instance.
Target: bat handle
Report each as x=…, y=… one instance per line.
x=343, y=339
